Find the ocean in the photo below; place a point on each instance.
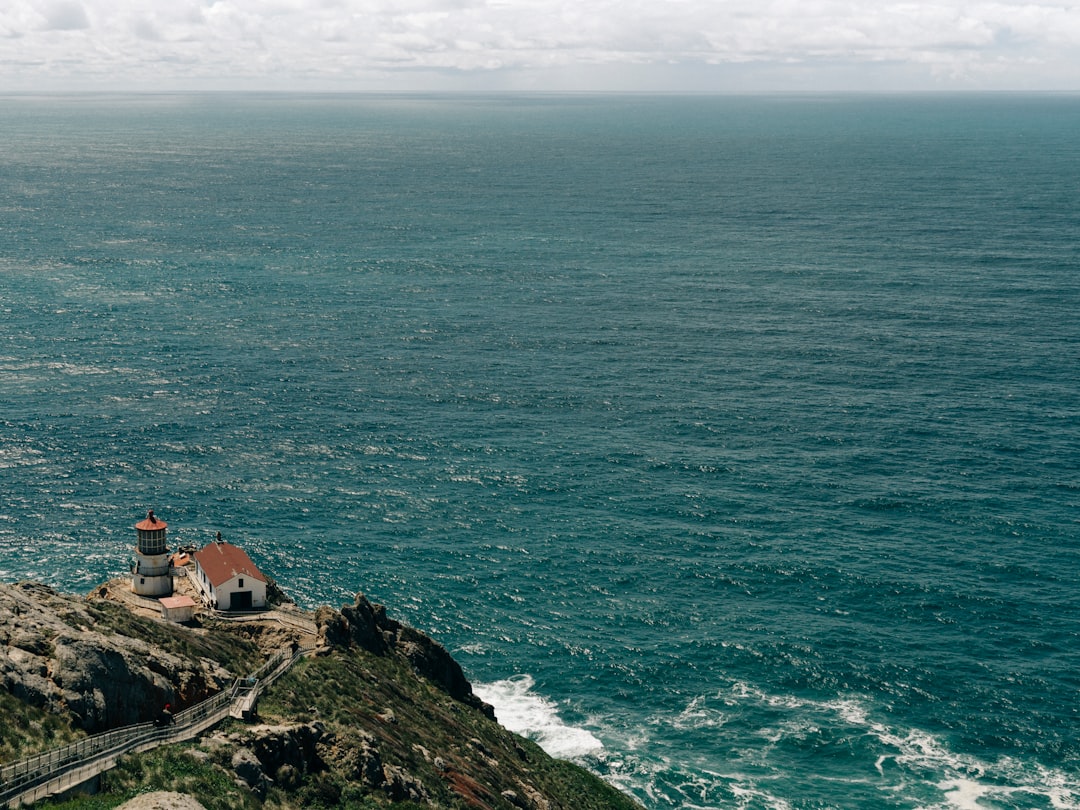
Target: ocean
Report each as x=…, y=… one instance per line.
x=730, y=443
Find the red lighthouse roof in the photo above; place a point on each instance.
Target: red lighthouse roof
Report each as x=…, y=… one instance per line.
x=151, y=523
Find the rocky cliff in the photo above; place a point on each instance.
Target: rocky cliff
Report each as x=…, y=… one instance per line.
x=382, y=715
x=366, y=626
x=100, y=665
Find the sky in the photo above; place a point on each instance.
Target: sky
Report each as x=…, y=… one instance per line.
x=722, y=46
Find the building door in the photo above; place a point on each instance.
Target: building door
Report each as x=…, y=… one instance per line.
x=241, y=600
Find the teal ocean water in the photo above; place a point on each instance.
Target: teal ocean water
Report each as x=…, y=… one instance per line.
x=731, y=444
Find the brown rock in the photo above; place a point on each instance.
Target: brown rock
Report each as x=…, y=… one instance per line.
x=55, y=657
x=366, y=625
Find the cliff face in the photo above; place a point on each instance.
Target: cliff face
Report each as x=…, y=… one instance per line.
x=365, y=626
x=382, y=715
x=95, y=662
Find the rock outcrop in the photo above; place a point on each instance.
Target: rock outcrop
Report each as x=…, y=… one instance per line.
x=162, y=800
x=284, y=755
x=365, y=625
x=64, y=654
x=382, y=715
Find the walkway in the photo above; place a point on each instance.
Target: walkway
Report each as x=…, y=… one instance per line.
x=295, y=621
x=61, y=769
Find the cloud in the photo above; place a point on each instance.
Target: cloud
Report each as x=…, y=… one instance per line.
x=66, y=16
x=363, y=41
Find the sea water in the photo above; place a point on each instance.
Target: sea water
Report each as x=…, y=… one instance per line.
x=730, y=444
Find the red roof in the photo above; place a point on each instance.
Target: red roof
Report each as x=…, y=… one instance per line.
x=151, y=523
x=173, y=602
x=223, y=561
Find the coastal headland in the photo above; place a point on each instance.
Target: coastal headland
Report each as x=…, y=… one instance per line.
x=371, y=712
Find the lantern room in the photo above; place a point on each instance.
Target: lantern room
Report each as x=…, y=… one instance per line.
x=152, y=535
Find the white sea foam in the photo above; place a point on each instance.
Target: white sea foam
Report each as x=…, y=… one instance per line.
x=964, y=794
x=967, y=794
x=531, y=715
x=698, y=714
x=968, y=783
x=756, y=797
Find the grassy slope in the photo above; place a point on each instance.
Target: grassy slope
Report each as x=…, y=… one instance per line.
x=26, y=729
x=353, y=692
x=462, y=758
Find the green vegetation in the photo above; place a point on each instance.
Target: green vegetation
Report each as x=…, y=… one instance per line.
x=170, y=768
x=237, y=655
x=98, y=802
x=462, y=759
x=345, y=729
x=174, y=768
x=355, y=692
x=26, y=729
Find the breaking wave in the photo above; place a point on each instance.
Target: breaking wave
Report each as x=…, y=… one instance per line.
x=533, y=716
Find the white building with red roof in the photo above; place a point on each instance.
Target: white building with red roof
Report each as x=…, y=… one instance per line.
x=177, y=609
x=228, y=579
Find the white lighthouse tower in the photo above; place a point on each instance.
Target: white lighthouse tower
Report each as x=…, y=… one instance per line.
x=150, y=576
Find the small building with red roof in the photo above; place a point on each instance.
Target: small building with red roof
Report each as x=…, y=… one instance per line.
x=177, y=609
x=228, y=579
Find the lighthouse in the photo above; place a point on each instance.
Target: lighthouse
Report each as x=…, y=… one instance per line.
x=150, y=575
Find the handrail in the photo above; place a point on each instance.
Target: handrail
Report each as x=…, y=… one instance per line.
x=21, y=778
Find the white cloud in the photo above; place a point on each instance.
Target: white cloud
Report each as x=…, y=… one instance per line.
x=360, y=43
x=65, y=16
